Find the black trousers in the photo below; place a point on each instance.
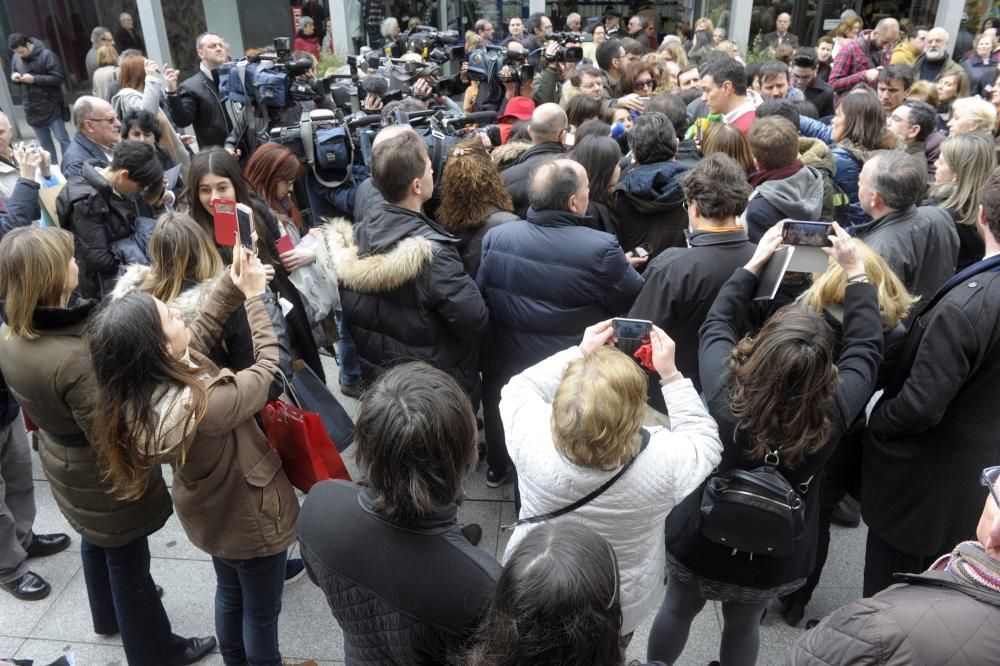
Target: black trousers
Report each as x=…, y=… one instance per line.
x=882, y=560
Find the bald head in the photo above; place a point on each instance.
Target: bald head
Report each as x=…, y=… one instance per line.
x=886, y=31
x=548, y=122
x=782, y=23
x=391, y=132
x=560, y=185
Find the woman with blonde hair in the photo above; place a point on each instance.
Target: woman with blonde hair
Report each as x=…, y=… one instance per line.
x=106, y=72
x=674, y=52
x=972, y=114
x=573, y=425
x=44, y=359
x=843, y=470
x=963, y=167
x=849, y=28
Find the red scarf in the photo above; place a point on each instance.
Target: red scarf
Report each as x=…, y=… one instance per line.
x=758, y=177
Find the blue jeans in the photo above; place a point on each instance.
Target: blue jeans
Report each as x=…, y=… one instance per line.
x=347, y=354
x=247, y=604
x=123, y=598
x=44, y=134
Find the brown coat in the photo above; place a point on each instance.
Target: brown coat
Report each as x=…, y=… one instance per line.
x=232, y=496
x=53, y=379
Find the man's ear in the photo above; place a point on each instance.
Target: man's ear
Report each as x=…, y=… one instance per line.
x=914, y=131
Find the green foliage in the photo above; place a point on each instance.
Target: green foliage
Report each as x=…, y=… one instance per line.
x=757, y=52
x=329, y=62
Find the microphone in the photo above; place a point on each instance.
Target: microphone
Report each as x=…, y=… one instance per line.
x=477, y=117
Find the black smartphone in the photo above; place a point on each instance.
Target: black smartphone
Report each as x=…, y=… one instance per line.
x=815, y=234
x=244, y=220
x=631, y=329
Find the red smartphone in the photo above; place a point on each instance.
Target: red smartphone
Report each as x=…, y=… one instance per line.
x=284, y=244
x=225, y=221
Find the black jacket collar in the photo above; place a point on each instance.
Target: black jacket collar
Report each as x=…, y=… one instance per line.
x=709, y=238
x=547, y=148
x=433, y=522
x=557, y=218
x=56, y=319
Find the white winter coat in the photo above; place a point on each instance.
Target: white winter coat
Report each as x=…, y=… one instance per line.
x=630, y=514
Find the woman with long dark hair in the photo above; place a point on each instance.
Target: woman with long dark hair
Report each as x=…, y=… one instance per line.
x=171, y=403
x=779, y=400
x=473, y=199
x=600, y=156
x=858, y=129
x=557, y=601
x=44, y=359
x=215, y=174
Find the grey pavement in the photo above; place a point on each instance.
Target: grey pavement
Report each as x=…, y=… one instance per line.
x=44, y=630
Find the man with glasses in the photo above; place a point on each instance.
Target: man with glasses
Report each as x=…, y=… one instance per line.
x=935, y=428
x=97, y=132
x=912, y=122
x=818, y=92
x=99, y=36
x=947, y=614
x=197, y=100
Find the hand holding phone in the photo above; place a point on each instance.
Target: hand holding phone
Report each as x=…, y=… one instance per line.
x=814, y=234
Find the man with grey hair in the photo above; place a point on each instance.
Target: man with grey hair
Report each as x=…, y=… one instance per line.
x=99, y=36
x=543, y=279
x=935, y=61
x=547, y=128
x=128, y=36
x=920, y=244
x=97, y=132
x=197, y=99
x=859, y=60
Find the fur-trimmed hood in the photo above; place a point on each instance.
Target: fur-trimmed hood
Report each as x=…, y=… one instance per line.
x=390, y=248
x=189, y=302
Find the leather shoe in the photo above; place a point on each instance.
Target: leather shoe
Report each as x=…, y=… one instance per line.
x=43, y=545
x=194, y=650
x=473, y=533
x=29, y=587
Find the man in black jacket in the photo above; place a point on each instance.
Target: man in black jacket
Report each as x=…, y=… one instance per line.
x=404, y=291
x=38, y=71
x=817, y=91
x=681, y=284
x=934, y=429
x=780, y=35
x=547, y=128
x=126, y=36
x=197, y=99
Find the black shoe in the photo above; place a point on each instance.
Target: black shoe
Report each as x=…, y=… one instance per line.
x=353, y=389
x=473, y=533
x=159, y=591
x=295, y=568
x=847, y=513
x=195, y=649
x=811, y=623
x=793, y=613
x=29, y=587
x=495, y=478
x=43, y=545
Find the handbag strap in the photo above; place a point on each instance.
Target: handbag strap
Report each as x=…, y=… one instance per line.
x=589, y=497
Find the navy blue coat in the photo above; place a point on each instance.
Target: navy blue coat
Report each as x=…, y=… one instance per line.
x=847, y=178
x=547, y=279
x=81, y=150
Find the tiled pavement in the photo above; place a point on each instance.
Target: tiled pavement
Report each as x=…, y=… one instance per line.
x=43, y=630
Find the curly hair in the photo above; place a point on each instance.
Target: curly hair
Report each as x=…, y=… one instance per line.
x=784, y=384
x=471, y=188
x=632, y=73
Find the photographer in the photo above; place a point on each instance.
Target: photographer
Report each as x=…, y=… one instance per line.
x=548, y=82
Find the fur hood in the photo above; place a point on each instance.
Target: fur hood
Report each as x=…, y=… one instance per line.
x=189, y=302
x=507, y=155
x=816, y=154
x=375, y=273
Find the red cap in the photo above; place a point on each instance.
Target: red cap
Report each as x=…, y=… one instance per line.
x=518, y=107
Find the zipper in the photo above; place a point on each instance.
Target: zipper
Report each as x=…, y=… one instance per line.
x=761, y=497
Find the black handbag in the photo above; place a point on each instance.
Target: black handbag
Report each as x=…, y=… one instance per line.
x=757, y=511
x=312, y=394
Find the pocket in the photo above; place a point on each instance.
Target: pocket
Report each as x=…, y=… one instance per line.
x=264, y=494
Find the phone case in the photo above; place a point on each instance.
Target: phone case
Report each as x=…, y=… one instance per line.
x=244, y=220
x=225, y=221
x=284, y=244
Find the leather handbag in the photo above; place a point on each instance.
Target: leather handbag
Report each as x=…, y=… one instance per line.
x=299, y=436
x=757, y=511
x=314, y=395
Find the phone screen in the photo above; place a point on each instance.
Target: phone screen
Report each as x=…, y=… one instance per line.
x=641, y=251
x=815, y=234
x=244, y=217
x=632, y=329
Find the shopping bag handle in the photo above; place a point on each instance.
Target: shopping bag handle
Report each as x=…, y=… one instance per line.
x=290, y=391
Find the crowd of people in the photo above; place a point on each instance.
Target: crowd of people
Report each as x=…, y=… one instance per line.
x=477, y=315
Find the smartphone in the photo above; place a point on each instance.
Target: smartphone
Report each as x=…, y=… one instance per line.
x=631, y=329
x=699, y=131
x=641, y=251
x=815, y=234
x=244, y=219
x=225, y=222
x=284, y=244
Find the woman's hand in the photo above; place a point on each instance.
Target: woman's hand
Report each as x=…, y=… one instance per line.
x=269, y=272
x=297, y=257
x=664, y=352
x=247, y=271
x=152, y=69
x=769, y=242
x=596, y=336
x=28, y=161
x=845, y=252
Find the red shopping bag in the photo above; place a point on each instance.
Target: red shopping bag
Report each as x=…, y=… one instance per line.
x=301, y=440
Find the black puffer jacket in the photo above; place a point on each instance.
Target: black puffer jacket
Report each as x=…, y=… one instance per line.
x=407, y=297
x=97, y=217
x=517, y=178
x=42, y=100
x=402, y=594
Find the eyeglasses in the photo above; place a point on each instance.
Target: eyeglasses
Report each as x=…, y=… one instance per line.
x=989, y=479
x=648, y=83
x=112, y=120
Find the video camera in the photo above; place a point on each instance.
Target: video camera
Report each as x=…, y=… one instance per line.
x=430, y=43
x=322, y=141
x=567, y=53
x=269, y=79
x=486, y=64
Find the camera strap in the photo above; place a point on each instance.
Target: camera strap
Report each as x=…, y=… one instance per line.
x=309, y=148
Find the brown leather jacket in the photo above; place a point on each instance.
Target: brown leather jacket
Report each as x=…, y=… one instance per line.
x=231, y=494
